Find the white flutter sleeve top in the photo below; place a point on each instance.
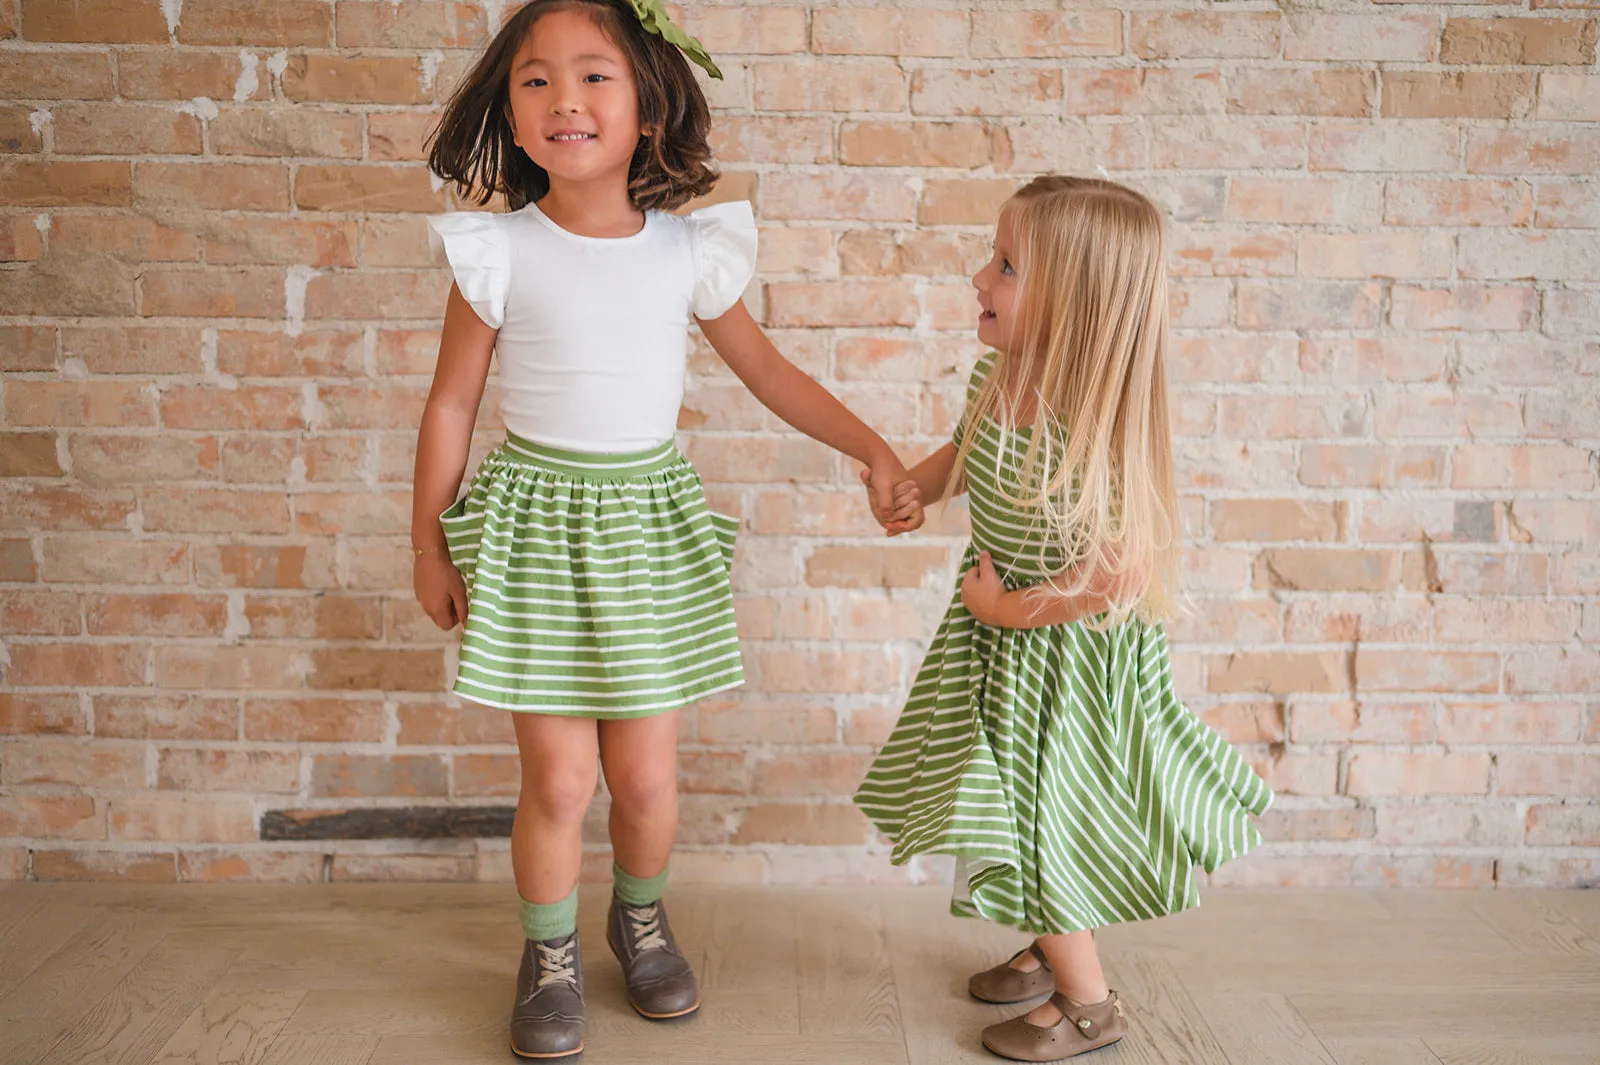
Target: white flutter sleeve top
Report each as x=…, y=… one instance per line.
x=594, y=331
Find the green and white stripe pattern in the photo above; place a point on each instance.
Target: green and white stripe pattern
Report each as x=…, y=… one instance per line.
x=1056, y=763
x=597, y=584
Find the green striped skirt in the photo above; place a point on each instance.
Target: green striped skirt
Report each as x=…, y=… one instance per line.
x=1061, y=769
x=597, y=585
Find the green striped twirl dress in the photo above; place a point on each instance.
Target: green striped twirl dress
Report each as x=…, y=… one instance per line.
x=597, y=585
x=1057, y=764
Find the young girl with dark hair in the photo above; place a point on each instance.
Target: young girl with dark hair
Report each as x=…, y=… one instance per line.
x=589, y=575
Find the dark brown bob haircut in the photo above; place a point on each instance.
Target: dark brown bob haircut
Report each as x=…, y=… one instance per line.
x=472, y=144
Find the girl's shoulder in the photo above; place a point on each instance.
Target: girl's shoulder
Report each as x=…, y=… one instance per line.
x=738, y=214
x=718, y=226
x=723, y=240
x=479, y=257
x=980, y=373
x=483, y=225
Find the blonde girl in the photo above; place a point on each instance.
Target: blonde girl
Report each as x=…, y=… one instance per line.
x=1043, y=744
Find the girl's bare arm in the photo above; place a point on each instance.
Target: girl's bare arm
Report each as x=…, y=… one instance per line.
x=465, y=348
x=1042, y=604
x=792, y=395
x=788, y=391
x=1049, y=602
x=933, y=473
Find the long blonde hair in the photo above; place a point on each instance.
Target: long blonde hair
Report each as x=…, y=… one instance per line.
x=1089, y=335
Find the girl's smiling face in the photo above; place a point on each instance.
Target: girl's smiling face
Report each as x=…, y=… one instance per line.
x=997, y=289
x=574, y=101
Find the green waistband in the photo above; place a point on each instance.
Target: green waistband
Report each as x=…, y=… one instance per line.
x=588, y=464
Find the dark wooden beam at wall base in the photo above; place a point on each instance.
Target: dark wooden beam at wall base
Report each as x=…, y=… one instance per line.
x=405, y=822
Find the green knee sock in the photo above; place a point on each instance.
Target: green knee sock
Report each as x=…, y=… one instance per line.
x=551, y=920
x=635, y=891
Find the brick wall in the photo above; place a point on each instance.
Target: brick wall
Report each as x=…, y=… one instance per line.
x=218, y=314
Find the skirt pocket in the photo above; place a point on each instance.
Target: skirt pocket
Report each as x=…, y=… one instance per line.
x=726, y=529
x=462, y=530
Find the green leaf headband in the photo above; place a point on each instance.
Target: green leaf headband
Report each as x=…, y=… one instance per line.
x=653, y=17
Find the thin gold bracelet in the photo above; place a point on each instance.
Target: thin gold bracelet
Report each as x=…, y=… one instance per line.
x=420, y=551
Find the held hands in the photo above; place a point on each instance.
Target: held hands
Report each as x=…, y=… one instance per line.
x=440, y=589
x=983, y=594
x=894, y=497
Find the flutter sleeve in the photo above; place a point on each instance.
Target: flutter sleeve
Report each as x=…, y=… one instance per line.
x=724, y=237
x=479, y=258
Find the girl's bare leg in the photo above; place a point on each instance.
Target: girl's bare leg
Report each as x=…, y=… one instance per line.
x=560, y=760
x=1076, y=965
x=640, y=758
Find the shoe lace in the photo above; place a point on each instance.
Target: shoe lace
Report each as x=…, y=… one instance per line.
x=555, y=966
x=646, y=922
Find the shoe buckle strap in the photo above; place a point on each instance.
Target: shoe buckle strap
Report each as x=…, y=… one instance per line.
x=1091, y=1028
x=1084, y=1024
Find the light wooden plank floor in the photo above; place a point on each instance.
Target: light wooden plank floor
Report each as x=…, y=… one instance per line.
x=106, y=974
